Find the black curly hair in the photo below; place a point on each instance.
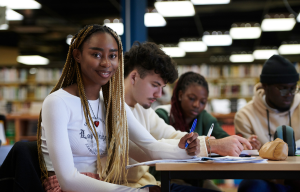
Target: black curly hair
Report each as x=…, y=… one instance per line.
x=146, y=57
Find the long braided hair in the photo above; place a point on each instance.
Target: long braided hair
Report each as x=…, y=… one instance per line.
x=116, y=120
x=177, y=119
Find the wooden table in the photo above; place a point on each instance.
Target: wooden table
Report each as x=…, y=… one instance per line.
x=288, y=169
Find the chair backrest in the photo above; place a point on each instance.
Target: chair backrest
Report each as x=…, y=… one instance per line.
x=2, y=118
x=20, y=171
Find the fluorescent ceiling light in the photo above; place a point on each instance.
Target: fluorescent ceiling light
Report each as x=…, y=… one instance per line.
x=241, y=58
x=20, y=4
x=175, y=8
x=217, y=40
x=278, y=24
x=154, y=20
x=117, y=27
x=13, y=15
x=245, y=32
x=4, y=27
x=264, y=54
x=174, y=51
x=209, y=2
x=298, y=18
x=69, y=39
x=33, y=60
x=193, y=46
x=289, y=49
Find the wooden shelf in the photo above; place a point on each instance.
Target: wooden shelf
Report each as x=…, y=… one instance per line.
x=24, y=101
x=230, y=78
x=23, y=117
x=223, y=116
x=21, y=125
x=29, y=138
x=27, y=83
x=232, y=97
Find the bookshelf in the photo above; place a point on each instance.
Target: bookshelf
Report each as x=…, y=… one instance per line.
x=24, y=127
x=227, y=81
x=20, y=87
x=22, y=91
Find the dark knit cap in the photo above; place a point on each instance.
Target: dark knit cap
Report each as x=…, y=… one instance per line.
x=278, y=70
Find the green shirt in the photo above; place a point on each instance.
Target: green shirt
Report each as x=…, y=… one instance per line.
x=204, y=121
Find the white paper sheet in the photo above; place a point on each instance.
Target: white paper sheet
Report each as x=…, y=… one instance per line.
x=250, y=152
x=226, y=159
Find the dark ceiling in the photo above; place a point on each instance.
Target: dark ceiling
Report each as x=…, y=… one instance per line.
x=44, y=31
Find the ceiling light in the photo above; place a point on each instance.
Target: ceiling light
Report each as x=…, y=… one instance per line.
x=154, y=20
x=33, y=60
x=278, y=24
x=175, y=8
x=20, y=4
x=217, y=40
x=264, y=54
x=245, y=32
x=174, y=51
x=209, y=2
x=298, y=18
x=4, y=27
x=289, y=49
x=241, y=58
x=12, y=15
x=193, y=46
x=69, y=38
x=117, y=27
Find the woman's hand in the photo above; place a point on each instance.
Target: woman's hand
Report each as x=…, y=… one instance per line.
x=193, y=149
x=254, y=142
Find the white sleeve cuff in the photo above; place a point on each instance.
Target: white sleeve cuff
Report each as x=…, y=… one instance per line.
x=203, y=149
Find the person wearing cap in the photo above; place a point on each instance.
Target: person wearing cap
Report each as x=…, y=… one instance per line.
x=275, y=103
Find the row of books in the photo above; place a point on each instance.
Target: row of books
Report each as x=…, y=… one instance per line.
x=8, y=75
x=47, y=75
x=218, y=71
x=21, y=93
x=13, y=75
x=41, y=92
x=230, y=89
x=13, y=93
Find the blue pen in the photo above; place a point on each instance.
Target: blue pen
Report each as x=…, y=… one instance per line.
x=192, y=129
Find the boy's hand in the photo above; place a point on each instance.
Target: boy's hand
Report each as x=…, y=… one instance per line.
x=193, y=149
x=232, y=145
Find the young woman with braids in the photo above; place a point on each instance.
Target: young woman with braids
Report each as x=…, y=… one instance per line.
x=82, y=140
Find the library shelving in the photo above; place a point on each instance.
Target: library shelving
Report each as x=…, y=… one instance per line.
x=19, y=87
x=21, y=127
x=227, y=81
x=22, y=91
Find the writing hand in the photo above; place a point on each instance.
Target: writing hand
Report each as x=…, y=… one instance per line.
x=231, y=145
x=193, y=141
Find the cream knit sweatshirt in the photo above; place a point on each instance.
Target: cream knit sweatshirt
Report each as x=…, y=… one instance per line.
x=139, y=176
x=252, y=119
